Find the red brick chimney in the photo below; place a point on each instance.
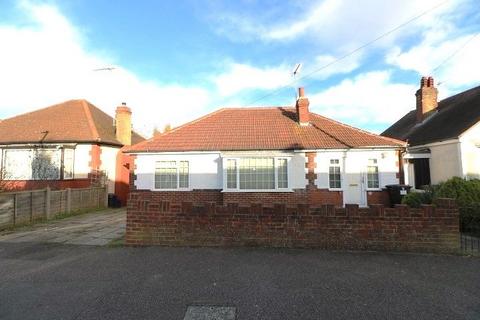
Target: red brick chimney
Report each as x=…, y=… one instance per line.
x=123, y=124
x=426, y=98
x=303, y=115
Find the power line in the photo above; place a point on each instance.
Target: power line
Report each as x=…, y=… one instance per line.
x=455, y=52
x=351, y=52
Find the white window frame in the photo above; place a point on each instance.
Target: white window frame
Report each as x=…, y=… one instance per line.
x=177, y=166
x=378, y=174
x=340, y=166
x=275, y=164
x=56, y=148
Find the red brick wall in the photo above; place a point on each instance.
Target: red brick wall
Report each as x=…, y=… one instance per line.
x=14, y=185
x=297, y=196
x=324, y=196
x=311, y=196
x=151, y=221
x=378, y=197
x=206, y=195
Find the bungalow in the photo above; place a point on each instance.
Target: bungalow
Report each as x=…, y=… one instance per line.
x=443, y=137
x=269, y=155
x=71, y=144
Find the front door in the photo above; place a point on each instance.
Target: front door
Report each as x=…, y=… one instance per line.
x=354, y=183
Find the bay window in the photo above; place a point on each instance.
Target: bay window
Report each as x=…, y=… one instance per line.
x=38, y=163
x=171, y=175
x=256, y=173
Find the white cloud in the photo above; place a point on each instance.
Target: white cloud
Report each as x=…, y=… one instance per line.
x=458, y=71
x=333, y=22
x=46, y=62
x=366, y=100
x=239, y=77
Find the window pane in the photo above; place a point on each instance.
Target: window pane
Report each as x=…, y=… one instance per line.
x=68, y=160
x=17, y=165
x=282, y=173
x=231, y=174
x=166, y=175
x=183, y=174
x=372, y=174
x=257, y=173
x=334, y=175
x=46, y=164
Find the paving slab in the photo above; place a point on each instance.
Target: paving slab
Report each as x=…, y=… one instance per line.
x=93, y=229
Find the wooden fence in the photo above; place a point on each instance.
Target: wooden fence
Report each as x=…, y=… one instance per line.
x=23, y=207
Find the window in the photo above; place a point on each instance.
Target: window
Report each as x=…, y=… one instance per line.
x=68, y=160
x=171, y=175
x=16, y=164
x=46, y=164
x=334, y=175
x=257, y=173
x=52, y=163
x=282, y=173
x=372, y=174
x=183, y=174
x=231, y=174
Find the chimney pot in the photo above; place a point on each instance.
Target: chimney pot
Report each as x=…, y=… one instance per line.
x=301, y=92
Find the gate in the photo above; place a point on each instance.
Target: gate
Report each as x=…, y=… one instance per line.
x=470, y=229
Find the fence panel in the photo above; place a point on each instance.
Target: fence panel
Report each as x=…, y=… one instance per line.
x=29, y=206
x=7, y=214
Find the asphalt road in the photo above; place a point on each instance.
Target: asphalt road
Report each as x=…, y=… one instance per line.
x=58, y=281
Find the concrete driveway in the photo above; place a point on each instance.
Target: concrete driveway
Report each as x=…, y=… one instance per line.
x=97, y=229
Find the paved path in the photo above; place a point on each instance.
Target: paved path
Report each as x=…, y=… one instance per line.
x=97, y=228
x=57, y=281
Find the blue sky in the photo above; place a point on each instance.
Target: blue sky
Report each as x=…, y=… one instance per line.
x=177, y=60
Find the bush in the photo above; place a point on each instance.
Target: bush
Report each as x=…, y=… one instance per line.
x=465, y=192
x=415, y=199
x=467, y=195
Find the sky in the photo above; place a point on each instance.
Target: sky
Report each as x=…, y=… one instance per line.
x=174, y=61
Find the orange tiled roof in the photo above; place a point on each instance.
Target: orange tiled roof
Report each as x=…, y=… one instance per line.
x=274, y=128
x=71, y=121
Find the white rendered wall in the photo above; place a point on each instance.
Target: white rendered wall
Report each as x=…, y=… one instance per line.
x=205, y=169
x=108, y=158
x=470, y=152
x=82, y=160
x=355, y=162
x=445, y=161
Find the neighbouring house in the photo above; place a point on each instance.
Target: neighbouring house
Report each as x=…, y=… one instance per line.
x=443, y=137
x=267, y=155
x=71, y=144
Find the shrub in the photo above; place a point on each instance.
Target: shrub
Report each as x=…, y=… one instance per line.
x=465, y=192
x=467, y=195
x=415, y=199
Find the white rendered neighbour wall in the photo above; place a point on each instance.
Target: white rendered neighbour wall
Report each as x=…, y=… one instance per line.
x=108, y=158
x=82, y=156
x=470, y=152
x=445, y=161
